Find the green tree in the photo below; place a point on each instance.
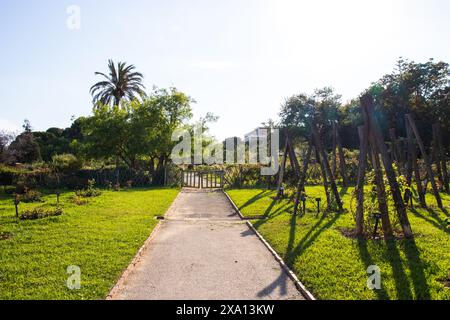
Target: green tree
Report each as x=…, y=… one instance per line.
x=298, y=111
x=121, y=83
x=140, y=130
x=24, y=148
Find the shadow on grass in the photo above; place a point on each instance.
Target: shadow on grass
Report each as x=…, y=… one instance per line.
x=399, y=273
x=436, y=221
x=402, y=281
x=416, y=267
x=255, y=198
x=309, y=238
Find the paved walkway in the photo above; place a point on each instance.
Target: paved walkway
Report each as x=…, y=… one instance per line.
x=203, y=251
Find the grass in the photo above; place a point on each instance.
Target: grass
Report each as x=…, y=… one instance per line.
x=101, y=237
x=333, y=266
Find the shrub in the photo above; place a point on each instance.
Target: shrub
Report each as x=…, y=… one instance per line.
x=79, y=201
x=30, y=196
x=66, y=163
x=40, y=213
x=90, y=191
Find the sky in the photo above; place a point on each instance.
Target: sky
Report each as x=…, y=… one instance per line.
x=239, y=59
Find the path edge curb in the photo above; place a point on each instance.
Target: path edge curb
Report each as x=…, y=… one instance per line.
x=136, y=259
x=298, y=284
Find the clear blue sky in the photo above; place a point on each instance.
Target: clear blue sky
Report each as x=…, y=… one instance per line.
x=238, y=58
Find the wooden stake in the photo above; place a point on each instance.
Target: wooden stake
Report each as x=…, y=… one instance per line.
x=323, y=154
x=442, y=157
x=367, y=106
x=324, y=176
x=414, y=167
x=334, y=146
x=425, y=158
x=359, y=190
x=342, y=164
x=395, y=151
x=381, y=190
x=282, y=169
x=301, y=181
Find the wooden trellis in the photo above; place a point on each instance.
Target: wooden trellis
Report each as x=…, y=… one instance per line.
x=326, y=171
x=288, y=152
x=412, y=130
x=337, y=144
x=439, y=157
x=372, y=144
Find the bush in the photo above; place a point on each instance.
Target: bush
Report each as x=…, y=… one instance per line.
x=40, y=213
x=66, y=163
x=90, y=191
x=79, y=201
x=30, y=196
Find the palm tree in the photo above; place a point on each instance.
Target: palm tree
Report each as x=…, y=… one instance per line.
x=119, y=84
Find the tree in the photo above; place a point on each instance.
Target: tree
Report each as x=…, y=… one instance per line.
x=137, y=131
x=24, y=148
x=5, y=152
x=298, y=111
x=121, y=83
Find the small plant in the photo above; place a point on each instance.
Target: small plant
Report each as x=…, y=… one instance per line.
x=40, y=213
x=79, y=201
x=30, y=196
x=90, y=191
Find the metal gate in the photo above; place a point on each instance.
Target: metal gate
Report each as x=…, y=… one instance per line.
x=203, y=179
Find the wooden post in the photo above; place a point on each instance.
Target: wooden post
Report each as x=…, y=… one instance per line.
x=324, y=156
x=282, y=169
x=321, y=163
x=342, y=164
x=293, y=160
x=395, y=151
x=301, y=181
x=359, y=190
x=334, y=146
x=425, y=158
x=381, y=190
x=16, y=205
x=412, y=155
x=442, y=158
x=435, y=157
x=367, y=106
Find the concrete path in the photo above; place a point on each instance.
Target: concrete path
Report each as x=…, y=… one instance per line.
x=203, y=251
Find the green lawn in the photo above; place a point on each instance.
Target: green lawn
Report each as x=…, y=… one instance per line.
x=100, y=237
x=333, y=266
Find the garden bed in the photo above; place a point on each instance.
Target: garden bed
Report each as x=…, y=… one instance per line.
x=334, y=266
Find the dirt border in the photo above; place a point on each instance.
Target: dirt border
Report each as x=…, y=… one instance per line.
x=137, y=258
x=298, y=284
